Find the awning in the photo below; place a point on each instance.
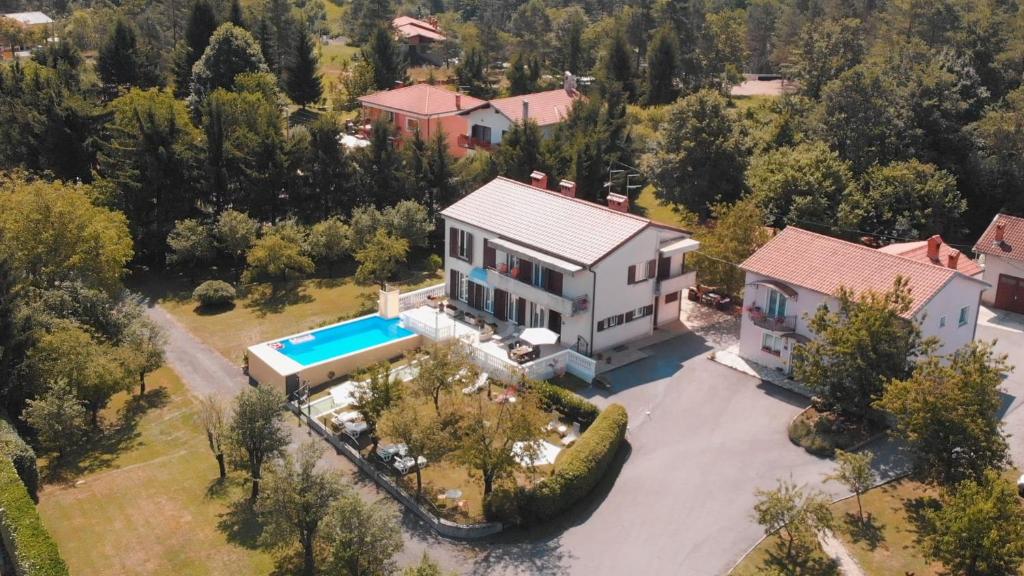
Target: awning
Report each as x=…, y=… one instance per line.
x=538, y=336
x=478, y=275
x=780, y=286
x=535, y=255
x=679, y=247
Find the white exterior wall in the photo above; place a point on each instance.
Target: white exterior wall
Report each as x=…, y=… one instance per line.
x=498, y=123
x=960, y=292
x=994, y=266
x=614, y=294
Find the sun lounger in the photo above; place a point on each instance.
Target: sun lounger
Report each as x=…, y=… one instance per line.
x=404, y=464
x=354, y=429
x=346, y=417
x=480, y=384
x=388, y=451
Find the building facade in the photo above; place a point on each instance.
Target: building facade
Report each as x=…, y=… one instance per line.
x=798, y=271
x=597, y=275
x=1001, y=250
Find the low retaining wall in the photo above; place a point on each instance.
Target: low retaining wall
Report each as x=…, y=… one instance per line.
x=440, y=525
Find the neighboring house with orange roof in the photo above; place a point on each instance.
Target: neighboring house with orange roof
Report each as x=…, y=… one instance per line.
x=488, y=125
x=417, y=32
x=1001, y=249
x=422, y=107
x=798, y=271
x=935, y=251
x=595, y=274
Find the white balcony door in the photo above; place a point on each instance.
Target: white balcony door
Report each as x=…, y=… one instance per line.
x=776, y=304
x=538, y=316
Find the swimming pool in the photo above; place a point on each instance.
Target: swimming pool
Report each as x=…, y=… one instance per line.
x=341, y=339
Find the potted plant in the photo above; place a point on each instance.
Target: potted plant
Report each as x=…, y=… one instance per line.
x=755, y=312
x=450, y=309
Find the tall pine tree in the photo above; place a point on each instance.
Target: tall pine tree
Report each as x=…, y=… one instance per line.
x=662, y=65
x=120, y=60
x=616, y=65
x=385, y=57
x=301, y=80
x=202, y=21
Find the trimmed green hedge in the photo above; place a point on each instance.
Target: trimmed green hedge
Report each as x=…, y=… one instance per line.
x=566, y=402
x=34, y=553
x=578, y=469
x=21, y=454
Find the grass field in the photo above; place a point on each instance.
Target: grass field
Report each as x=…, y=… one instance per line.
x=761, y=557
x=153, y=507
x=261, y=316
x=652, y=208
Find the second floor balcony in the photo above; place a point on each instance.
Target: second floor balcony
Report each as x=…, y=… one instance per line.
x=466, y=141
x=771, y=321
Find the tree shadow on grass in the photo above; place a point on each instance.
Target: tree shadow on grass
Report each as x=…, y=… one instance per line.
x=272, y=298
x=241, y=525
x=218, y=488
x=213, y=309
x=869, y=532
x=775, y=562
x=917, y=511
x=102, y=447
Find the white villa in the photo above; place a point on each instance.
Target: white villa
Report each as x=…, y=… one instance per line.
x=596, y=275
x=798, y=271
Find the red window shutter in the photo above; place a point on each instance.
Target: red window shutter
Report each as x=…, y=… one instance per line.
x=631, y=276
x=453, y=284
x=453, y=241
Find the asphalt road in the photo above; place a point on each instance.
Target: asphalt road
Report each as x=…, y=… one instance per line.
x=1008, y=331
x=702, y=438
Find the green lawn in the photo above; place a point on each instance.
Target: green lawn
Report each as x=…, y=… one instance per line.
x=153, y=506
x=262, y=316
x=763, y=556
x=654, y=209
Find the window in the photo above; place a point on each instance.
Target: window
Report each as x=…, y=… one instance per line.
x=640, y=272
x=388, y=116
x=489, y=300
x=670, y=298
x=776, y=304
x=615, y=320
x=942, y=322
x=463, y=287
x=964, y=313
x=538, y=276
x=460, y=244
x=465, y=238
x=480, y=133
x=412, y=124
x=771, y=344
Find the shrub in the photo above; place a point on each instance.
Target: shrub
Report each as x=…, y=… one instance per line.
x=32, y=550
x=565, y=402
x=214, y=293
x=21, y=455
x=578, y=468
x=434, y=262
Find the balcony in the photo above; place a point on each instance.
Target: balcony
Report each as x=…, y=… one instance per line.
x=562, y=304
x=466, y=141
x=676, y=283
x=774, y=323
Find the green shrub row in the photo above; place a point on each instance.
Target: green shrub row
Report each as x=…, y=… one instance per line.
x=21, y=454
x=566, y=402
x=578, y=469
x=33, y=551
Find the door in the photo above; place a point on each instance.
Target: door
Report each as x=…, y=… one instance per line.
x=1010, y=293
x=538, y=315
x=555, y=321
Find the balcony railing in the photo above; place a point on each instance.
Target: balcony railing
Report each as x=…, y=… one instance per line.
x=771, y=322
x=466, y=141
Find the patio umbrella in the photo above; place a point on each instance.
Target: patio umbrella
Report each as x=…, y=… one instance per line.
x=538, y=336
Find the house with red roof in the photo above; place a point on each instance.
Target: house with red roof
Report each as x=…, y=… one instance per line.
x=798, y=271
x=548, y=109
x=422, y=107
x=596, y=275
x=1001, y=252
x=417, y=32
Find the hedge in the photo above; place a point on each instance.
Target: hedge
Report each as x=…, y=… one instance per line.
x=568, y=403
x=578, y=469
x=21, y=454
x=31, y=549
x=214, y=293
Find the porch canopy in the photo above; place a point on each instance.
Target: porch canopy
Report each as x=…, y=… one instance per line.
x=539, y=336
x=535, y=255
x=780, y=286
x=681, y=246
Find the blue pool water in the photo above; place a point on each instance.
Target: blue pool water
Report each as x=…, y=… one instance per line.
x=342, y=339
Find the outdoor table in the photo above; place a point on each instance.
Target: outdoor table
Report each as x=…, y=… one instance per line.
x=453, y=494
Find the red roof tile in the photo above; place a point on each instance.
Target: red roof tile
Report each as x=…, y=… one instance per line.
x=824, y=264
x=421, y=100
x=409, y=26
x=545, y=108
x=1012, y=246
x=919, y=251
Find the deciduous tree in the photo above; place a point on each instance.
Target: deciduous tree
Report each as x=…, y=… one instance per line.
x=374, y=395
x=232, y=51
x=256, y=429
x=362, y=539
x=797, y=515
x=738, y=232
x=853, y=470
x=58, y=417
x=421, y=430
x=381, y=257
x=191, y=243
x=801, y=185
x=141, y=349
x=488, y=432
x=826, y=48
x=213, y=415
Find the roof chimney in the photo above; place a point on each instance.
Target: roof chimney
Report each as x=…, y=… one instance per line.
x=933, y=247
x=567, y=188
x=569, y=83
x=539, y=179
x=526, y=110
x=618, y=202
x=954, y=256
x=1000, y=232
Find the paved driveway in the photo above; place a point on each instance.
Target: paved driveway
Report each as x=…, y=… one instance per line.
x=1008, y=331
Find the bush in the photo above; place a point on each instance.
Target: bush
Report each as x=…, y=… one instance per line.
x=21, y=455
x=214, y=293
x=565, y=402
x=578, y=469
x=32, y=549
x=434, y=262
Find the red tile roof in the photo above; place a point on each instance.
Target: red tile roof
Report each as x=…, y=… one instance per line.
x=421, y=100
x=1012, y=246
x=409, y=26
x=574, y=229
x=545, y=108
x=919, y=251
x=824, y=264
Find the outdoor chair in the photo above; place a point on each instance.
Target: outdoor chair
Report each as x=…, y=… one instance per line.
x=405, y=464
